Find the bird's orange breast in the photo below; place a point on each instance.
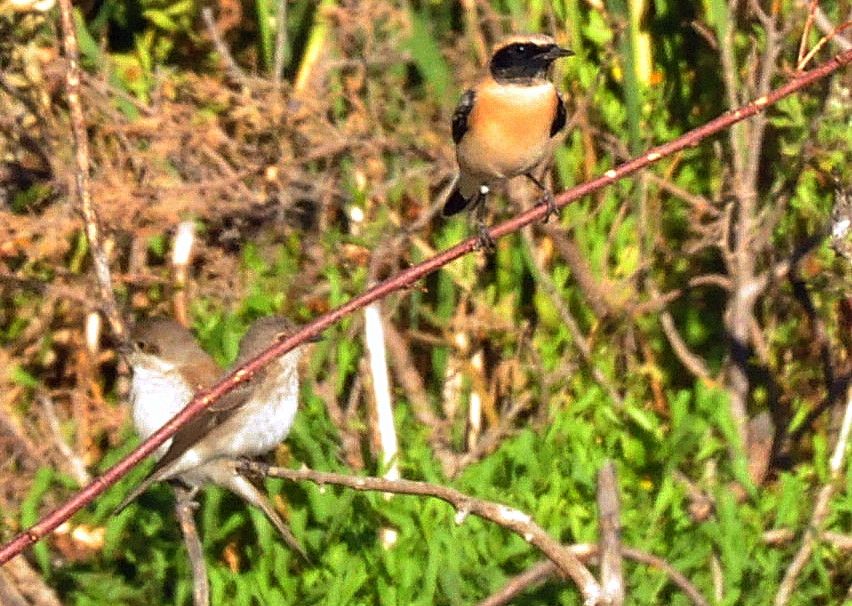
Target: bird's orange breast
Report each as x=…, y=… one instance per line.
x=508, y=129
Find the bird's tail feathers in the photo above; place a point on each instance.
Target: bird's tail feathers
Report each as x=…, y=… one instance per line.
x=455, y=203
x=464, y=193
x=131, y=496
x=240, y=485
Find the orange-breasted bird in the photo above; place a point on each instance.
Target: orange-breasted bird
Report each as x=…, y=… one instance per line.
x=506, y=125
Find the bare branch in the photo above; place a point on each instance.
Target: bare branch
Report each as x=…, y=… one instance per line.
x=532, y=576
x=75, y=465
x=579, y=339
x=184, y=508
x=741, y=250
x=835, y=467
x=81, y=172
x=586, y=552
x=512, y=519
x=609, y=520
x=400, y=281
x=234, y=70
x=693, y=363
x=827, y=27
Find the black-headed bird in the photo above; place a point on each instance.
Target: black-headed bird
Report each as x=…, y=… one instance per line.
x=507, y=124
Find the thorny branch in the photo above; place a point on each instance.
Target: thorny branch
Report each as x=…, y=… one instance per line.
x=400, y=281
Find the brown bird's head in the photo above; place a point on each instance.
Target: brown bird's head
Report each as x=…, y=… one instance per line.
x=163, y=342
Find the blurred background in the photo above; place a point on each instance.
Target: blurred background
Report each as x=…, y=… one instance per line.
x=691, y=323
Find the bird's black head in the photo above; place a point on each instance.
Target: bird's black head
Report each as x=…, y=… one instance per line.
x=525, y=59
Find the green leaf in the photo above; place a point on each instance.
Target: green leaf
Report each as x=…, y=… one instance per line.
x=427, y=56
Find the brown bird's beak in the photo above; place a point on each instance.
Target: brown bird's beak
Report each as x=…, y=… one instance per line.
x=126, y=348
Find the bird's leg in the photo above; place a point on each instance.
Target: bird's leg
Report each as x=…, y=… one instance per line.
x=547, y=198
x=484, y=241
x=184, y=508
x=186, y=494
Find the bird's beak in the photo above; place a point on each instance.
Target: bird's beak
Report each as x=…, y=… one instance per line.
x=557, y=51
x=126, y=348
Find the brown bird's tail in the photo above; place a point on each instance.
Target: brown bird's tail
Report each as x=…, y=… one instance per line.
x=237, y=483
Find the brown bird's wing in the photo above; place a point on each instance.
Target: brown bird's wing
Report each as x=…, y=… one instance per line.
x=461, y=114
x=560, y=118
x=194, y=431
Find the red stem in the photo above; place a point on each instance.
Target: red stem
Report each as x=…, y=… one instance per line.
x=400, y=281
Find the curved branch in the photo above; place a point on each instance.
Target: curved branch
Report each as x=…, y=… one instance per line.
x=510, y=518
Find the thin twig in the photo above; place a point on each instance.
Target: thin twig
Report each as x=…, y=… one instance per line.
x=577, y=336
x=822, y=42
x=806, y=30
x=532, y=576
x=231, y=67
x=512, y=519
x=492, y=438
x=827, y=28
x=692, y=362
x=595, y=292
x=400, y=281
x=609, y=521
x=75, y=464
x=781, y=536
x=81, y=172
x=281, y=41
x=185, y=508
x=586, y=552
x=835, y=467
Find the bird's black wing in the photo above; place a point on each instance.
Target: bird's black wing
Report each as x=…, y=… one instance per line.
x=455, y=202
x=461, y=114
x=560, y=118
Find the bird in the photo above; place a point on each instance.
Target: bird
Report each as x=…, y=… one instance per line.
x=507, y=124
x=169, y=367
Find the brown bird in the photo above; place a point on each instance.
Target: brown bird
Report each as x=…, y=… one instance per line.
x=169, y=367
x=506, y=125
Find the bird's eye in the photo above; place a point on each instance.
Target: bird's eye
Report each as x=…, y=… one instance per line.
x=522, y=49
x=146, y=347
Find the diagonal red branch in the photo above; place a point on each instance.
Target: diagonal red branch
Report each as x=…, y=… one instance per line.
x=400, y=281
